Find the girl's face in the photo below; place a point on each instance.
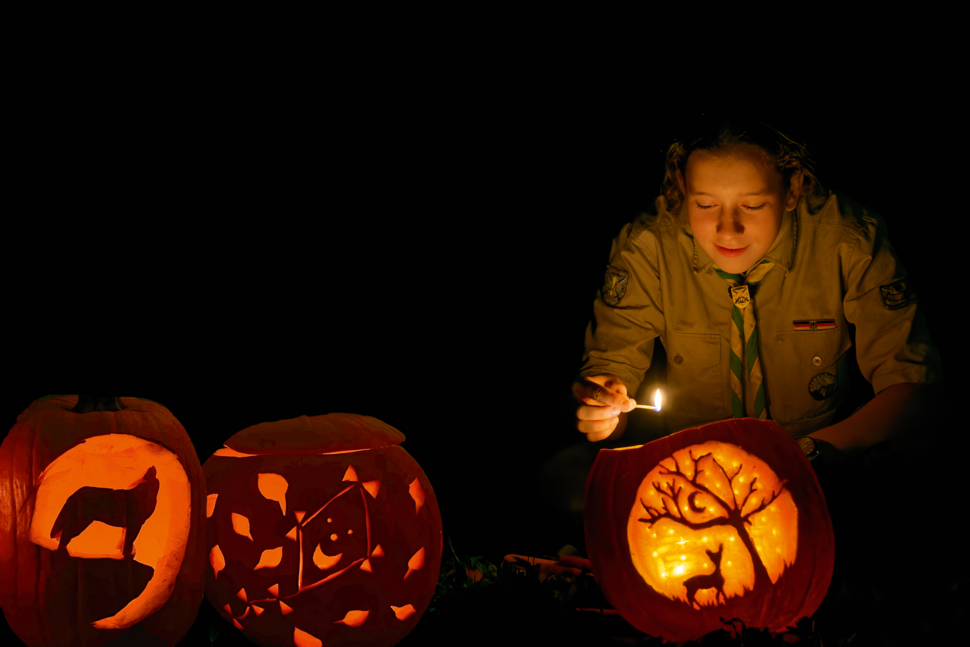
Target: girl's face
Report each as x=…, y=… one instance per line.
x=735, y=202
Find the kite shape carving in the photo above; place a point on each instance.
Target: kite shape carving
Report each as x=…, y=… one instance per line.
x=305, y=546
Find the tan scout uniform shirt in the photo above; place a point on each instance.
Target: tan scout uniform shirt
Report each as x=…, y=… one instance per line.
x=832, y=264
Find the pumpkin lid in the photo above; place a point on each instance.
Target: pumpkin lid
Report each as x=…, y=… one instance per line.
x=325, y=434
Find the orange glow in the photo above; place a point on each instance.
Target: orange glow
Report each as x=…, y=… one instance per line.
x=210, y=505
x=98, y=540
x=417, y=493
x=682, y=496
x=270, y=558
x=273, y=487
x=354, y=618
x=372, y=487
x=303, y=639
x=240, y=524
x=217, y=560
x=324, y=561
x=403, y=613
x=228, y=452
x=115, y=462
x=341, y=520
x=416, y=562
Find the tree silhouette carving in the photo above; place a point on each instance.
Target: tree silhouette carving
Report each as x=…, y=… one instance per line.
x=701, y=492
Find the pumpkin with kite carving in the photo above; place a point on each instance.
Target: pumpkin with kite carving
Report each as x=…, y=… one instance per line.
x=322, y=530
x=725, y=521
x=102, y=504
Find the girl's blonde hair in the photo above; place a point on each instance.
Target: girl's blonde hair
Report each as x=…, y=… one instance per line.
x=720, y=132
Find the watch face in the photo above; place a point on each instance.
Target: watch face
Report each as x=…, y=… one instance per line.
x=807, y=445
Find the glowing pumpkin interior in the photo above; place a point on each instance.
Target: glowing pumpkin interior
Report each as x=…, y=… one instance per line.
x=706, y=520
x=84, y=483
x=333, y=538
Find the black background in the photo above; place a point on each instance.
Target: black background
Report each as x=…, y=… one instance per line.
x=425, y=252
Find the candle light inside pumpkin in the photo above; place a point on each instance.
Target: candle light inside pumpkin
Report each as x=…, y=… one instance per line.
x=656, y=403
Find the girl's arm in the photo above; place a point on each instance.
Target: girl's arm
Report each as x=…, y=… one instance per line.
x=896, y=410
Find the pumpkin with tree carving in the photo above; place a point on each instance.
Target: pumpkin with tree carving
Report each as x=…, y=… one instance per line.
x=719, y=522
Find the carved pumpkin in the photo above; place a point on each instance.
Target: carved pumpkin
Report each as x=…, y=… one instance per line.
x=322, y=530
x=726, y=521
x=102, y=504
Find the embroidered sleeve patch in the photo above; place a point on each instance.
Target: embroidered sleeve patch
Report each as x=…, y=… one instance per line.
x=614, y=285
x=898, y=294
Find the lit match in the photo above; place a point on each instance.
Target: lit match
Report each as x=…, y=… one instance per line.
x=656, y=403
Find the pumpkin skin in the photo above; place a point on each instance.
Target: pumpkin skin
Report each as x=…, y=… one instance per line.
x=125, y=492
x=659, y=534
x=322, y=530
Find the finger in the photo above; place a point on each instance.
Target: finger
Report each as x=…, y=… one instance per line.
x=597, y=412
x=598, y=426
x=629, y=406
x=604, y=395
x=595, y=438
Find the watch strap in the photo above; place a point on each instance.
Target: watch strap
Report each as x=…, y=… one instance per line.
x=809, y=445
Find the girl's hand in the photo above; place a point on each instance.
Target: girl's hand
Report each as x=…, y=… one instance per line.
x=603, y=398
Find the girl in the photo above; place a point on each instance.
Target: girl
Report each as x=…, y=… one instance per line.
x=757, y=281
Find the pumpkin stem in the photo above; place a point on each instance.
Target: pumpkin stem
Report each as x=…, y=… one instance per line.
x=86, y=403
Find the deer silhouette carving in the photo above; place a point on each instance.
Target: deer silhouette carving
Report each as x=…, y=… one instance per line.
x=128, y=509
x=710, y=581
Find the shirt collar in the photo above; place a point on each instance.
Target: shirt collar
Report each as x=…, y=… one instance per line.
x=781, y=252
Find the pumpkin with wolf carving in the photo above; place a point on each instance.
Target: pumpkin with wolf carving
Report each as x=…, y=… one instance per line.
x=102, y=522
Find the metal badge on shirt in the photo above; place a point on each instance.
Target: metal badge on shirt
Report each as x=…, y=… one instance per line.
x=740, y=296
x=614, y=285
x=822, y=386
x=898, y=294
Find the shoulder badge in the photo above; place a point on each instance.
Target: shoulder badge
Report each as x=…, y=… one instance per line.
x=898, y=294
x=614, y=285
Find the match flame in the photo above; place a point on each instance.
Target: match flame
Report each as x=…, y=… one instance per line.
x=656, y=400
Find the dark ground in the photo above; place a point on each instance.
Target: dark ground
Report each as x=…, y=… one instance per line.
x=434, y=267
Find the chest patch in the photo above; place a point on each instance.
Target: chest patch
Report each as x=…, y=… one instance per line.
x=814, y=324
x=898, y=294
x=614, y=285
x=822, y=386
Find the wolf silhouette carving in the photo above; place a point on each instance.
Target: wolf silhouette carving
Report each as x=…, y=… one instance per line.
x=128, y=509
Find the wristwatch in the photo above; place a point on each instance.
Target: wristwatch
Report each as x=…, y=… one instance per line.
x=809, y=446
